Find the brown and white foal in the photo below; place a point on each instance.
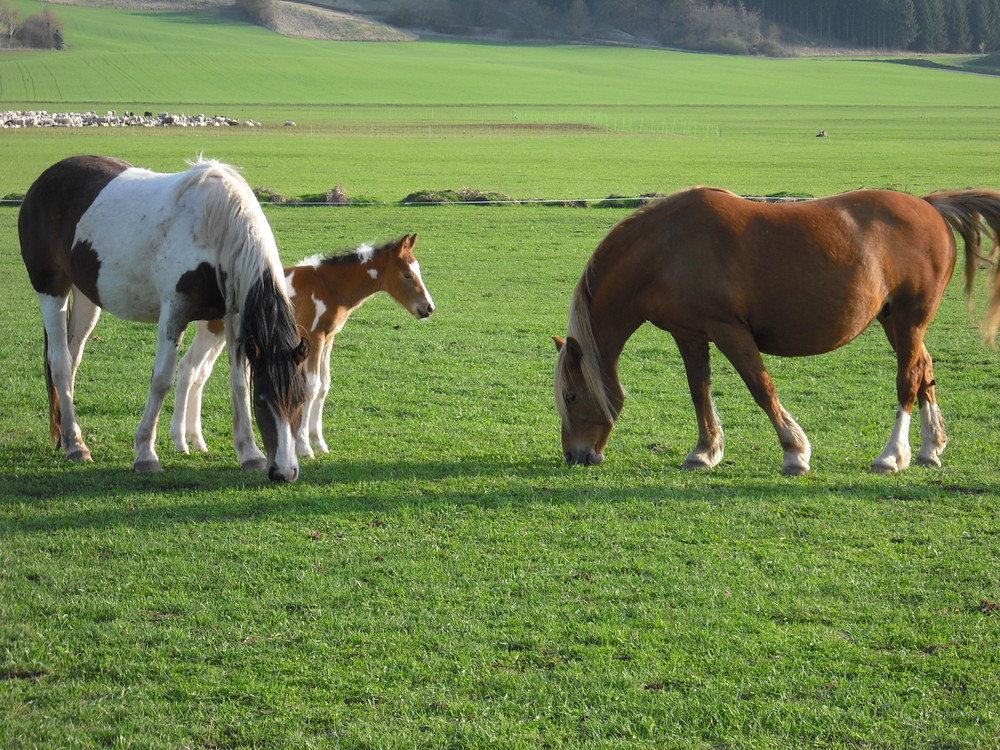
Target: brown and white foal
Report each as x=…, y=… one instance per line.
x=324, y=292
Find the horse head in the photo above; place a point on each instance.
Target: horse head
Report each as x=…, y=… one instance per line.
x=402, y=279
x=587, y=415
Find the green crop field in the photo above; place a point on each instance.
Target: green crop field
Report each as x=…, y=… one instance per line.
x=441, y=579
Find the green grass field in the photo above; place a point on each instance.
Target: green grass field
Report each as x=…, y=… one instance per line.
x=441, y=579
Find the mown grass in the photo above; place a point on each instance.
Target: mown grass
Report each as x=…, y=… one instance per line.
x=441, y=579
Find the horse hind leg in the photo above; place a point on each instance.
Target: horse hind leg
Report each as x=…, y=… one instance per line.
x=739, y=348
x=59, y=375
x=710, y=448
x=933, y=437
x=914, y=382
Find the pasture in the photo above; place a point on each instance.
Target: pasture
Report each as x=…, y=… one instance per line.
x=441, y=579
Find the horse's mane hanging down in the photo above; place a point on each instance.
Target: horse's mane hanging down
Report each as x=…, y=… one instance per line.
x=233, y=223
x=580, y=327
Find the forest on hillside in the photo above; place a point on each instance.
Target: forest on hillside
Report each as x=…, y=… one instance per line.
x=735, y=26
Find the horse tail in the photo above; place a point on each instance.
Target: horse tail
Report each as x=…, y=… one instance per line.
x=975, y=214
x=55, y=407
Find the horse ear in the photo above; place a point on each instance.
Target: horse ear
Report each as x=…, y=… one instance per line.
x=560, y=342
x=302, y=350
x=251, y=349
x=574, y=351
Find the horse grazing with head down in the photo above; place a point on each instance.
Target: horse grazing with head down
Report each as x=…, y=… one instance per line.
x=165, y=249
x=324, y=292
x=786, y=279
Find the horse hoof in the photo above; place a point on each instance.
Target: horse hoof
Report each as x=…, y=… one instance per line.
x=695, y=465
x=931, y=461
x=794, y=471
x=147, y=467
x=884, y=468
x=79, y=456
x=254, y=464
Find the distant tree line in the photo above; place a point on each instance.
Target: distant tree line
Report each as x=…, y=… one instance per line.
x=736, y=26
x=919, y=25
x=43, y=30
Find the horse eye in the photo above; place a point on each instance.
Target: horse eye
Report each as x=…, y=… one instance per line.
x=407, y=275
x=569, y=398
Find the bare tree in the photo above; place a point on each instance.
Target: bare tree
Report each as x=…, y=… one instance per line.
x=10, y=21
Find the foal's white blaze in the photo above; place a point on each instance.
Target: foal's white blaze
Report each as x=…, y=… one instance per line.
x=320, y=306
x=896, y=455
x=415, y=270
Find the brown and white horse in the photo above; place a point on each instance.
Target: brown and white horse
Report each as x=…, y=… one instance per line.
x=790, y=280
x=165, y=249
x=324, y=292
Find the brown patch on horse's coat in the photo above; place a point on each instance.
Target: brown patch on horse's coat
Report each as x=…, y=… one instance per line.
x=51, y=210
x=85, y=266
x=200, y=287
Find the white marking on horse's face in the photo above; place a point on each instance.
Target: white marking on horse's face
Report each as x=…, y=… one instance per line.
x=373, y=273
x=320, y=309
x=365, y=252
x=415, y=270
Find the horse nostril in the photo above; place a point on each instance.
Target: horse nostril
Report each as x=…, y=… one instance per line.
x=568, y=455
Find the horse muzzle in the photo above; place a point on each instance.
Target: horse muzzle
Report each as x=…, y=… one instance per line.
x=583, y=456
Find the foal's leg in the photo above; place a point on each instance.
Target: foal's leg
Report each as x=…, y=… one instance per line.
x=708, y=451
x=316, y=414
x=192, y=373
x=251, y=457
x=60, y=371
x=739, y=348
x=168, y=339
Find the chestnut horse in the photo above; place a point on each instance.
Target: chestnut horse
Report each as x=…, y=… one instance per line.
x=324, y=292
x=166, y=249
x=791, y=280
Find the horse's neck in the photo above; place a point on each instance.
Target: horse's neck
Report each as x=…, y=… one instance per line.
x=614, y=317
x=347, y=286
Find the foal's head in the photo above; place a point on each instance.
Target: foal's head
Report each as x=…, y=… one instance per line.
x=401, y=277
x=587, y=414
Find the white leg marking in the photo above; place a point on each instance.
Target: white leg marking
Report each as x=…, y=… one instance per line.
x=896, y=455
x=933, y=437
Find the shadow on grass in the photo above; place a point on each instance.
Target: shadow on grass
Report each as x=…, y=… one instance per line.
x=93, y=496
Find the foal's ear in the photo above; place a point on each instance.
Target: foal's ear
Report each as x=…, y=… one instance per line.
x=405, y=244
x=560, y=342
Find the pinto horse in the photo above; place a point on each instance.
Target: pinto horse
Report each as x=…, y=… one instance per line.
x=791, y=280
x=324, y=292
x=169, y=249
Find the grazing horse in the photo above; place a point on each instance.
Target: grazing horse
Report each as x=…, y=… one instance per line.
x=165, y=249
x=324, y=292
x=790, y=280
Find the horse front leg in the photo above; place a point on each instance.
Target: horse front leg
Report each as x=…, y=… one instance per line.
x=709, y=449
x=59, y=376
x=251, y=457
x=168, y=341
x=739, y=348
